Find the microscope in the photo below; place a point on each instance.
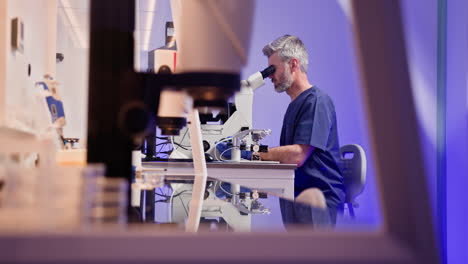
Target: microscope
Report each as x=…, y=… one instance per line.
x=232, y=125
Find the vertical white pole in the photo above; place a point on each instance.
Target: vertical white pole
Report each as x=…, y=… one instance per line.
x=201, y=173
x=52, y=14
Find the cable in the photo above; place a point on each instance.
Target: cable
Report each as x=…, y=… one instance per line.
x=183, y=137
x=188, y=205
x=222, y=153
x=216, y=145
x=174, y=149
x=173, y=196
x=178, y=144
x=162, y=146
x=183, y=147
x=162, y=194
x=224, y=140
x=222, y=189
x=171, y=205
x=158, y=152
x=169, y=208
x=215, y=188
x=183, y=205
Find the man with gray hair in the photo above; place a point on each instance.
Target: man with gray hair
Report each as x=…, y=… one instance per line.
x=309, y=136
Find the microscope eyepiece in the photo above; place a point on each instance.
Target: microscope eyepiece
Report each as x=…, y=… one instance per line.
x=268, y=71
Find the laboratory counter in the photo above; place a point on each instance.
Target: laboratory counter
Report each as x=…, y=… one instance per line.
x=265, y=176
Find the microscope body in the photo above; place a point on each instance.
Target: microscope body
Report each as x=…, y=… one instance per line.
x=238, y=121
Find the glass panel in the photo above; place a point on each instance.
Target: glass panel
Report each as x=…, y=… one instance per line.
x=267, y=107
x=330, y=55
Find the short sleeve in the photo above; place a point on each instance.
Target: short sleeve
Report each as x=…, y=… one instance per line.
x=314, y=123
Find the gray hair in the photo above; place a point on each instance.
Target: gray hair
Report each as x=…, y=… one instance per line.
x=288, y=47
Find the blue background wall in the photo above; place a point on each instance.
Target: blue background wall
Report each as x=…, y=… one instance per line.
x=457, y=131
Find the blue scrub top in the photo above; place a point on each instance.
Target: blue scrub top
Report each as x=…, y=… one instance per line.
x=311, y=120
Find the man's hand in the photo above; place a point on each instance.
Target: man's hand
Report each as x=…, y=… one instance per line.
x=290, y=154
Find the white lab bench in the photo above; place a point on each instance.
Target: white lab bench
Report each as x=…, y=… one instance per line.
x=265, y=176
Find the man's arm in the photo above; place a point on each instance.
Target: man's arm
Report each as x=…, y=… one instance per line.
x=291, y=154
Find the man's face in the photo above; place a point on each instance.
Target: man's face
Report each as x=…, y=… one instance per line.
x=281, y=78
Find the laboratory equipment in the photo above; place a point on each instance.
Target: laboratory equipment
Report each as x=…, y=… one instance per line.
x=238, y=120
x=219, y=204
x=239, y=143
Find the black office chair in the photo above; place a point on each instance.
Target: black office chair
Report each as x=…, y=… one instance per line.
x=354, y=166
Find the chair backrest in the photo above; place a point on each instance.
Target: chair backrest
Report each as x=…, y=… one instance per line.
x=354, y=166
